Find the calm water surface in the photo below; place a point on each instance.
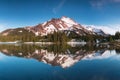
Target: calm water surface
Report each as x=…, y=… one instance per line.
x=59, y=62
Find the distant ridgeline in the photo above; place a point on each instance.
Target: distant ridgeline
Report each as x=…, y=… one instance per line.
x=57, y=30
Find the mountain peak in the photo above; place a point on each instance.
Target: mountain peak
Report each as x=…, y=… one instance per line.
x=61, y=24
x=68, y=20
x=64, y=17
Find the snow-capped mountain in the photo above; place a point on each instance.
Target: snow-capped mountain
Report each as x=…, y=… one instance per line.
x=62, y=24
x=59, y=24
x=96, y=30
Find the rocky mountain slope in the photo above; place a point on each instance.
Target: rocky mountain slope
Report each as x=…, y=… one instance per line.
x=56, y=24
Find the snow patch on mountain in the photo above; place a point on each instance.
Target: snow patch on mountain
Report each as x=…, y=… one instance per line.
x=44, y=23
x=105, y=29
x=69, y=21
x=95, y=29
x=50, y=28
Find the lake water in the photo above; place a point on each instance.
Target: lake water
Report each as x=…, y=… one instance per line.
x=59, y=62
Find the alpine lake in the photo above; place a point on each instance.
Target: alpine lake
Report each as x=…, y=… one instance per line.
x=59, y=62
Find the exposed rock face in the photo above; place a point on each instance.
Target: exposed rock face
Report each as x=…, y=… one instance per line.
x=59, y=24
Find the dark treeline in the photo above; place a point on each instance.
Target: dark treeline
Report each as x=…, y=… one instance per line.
x=30, y=37
x=58, y=37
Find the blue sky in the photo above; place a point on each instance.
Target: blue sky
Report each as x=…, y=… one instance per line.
x=20, y=13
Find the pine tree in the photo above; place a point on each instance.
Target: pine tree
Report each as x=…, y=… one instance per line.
x=117, y=35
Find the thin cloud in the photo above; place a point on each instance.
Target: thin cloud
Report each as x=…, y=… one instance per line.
x=2, y=27
x=59, y=6
x=98, y=3
x=101, y=3
x=117, y=1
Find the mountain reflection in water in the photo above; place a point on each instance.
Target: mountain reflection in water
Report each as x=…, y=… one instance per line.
x=57, y=55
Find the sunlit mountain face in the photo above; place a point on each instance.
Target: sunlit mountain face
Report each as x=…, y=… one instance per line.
x=58, y=55
x=63, y=24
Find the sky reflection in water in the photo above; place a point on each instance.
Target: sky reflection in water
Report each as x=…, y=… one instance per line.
x=70, y=63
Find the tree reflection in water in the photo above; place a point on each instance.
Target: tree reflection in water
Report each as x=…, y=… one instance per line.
x=55, y=55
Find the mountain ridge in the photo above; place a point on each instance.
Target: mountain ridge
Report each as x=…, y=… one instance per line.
x=57, y=24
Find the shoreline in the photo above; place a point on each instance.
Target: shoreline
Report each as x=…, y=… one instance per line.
x=45, y=43
x=104, y=43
